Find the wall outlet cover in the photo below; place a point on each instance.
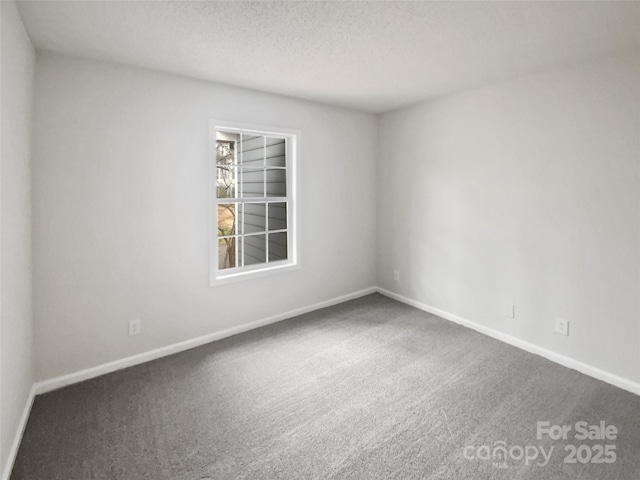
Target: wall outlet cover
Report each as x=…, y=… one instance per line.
x=562, y=326
x=134, y=327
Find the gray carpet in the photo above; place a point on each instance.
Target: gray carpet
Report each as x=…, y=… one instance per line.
x=369, y=389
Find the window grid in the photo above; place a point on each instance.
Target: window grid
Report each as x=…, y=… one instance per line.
x=241, y=200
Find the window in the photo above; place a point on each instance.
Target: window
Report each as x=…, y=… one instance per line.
x=253, y=220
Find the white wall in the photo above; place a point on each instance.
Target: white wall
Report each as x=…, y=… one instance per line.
x=527, y=192
x=16, y=334
x=120, y=210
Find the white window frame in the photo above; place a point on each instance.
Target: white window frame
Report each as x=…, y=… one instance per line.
x=292, y=138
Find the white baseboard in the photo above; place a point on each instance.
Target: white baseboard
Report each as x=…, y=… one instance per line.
x=13, y=452
x=563, y=360
x=71, y=378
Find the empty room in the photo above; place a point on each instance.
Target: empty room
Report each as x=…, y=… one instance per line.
x=287, y=240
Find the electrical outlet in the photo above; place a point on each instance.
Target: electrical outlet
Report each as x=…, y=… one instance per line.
x=562, y=326
x=134, y=327
x=396, y=275
x=509, y=310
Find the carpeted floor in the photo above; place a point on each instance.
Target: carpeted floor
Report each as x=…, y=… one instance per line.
x=369, y=389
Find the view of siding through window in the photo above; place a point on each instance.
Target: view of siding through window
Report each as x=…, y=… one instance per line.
x=251, y=174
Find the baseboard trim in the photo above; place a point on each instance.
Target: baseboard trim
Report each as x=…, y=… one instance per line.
x=563, y=360
x=13, y=452
x=86, y=374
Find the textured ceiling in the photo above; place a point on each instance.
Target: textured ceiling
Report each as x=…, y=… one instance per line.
x=372, y=56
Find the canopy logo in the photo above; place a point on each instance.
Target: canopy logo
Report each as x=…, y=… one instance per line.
x=501, y=455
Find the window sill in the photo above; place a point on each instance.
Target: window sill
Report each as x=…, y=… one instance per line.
x=225, y=278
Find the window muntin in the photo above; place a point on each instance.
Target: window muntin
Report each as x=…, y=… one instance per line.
x=253, y=228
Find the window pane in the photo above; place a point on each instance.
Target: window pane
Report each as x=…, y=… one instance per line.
x=276, y=182
x=277, y=246
x=254, y=249
x=276, y=151
x=227, y=219
x=226, y=181
x=277, y=216
x=254, y=217
x=227, y=257
x=252, y=151
x=226, y=148
x=252, y=182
